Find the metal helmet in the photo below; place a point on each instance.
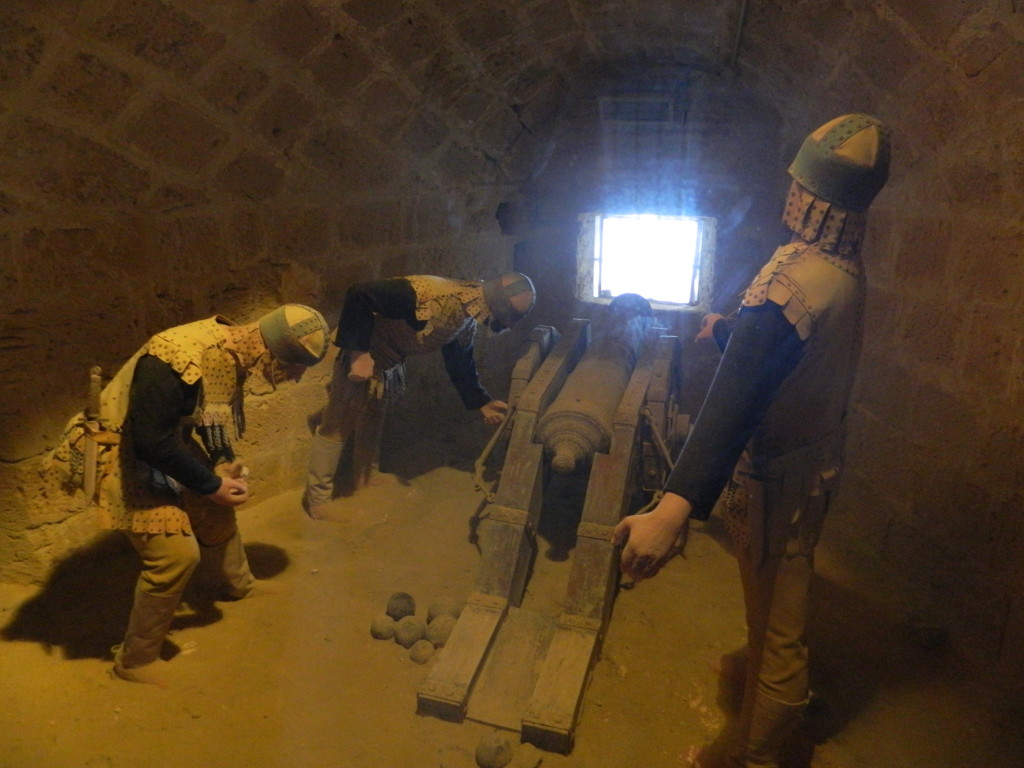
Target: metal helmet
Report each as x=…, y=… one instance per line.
x=295, y=334
x=845, y=161
x=499, y=295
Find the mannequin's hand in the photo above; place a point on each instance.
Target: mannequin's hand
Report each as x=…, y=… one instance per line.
x=232, y=492
x=493, y=412
x=361, y=368
x=707, y=326
x=650, y=539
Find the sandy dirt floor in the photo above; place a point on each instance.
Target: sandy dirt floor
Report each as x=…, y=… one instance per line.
x=291, y=676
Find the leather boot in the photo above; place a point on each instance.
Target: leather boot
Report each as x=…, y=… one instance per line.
x=324, y=456
x=137, y=658
x=235, y=567
x=773, y=721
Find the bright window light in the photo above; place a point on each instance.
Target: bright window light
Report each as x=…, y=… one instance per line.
x=659, y=257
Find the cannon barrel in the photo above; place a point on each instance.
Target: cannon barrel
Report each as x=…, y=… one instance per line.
x=579, y=422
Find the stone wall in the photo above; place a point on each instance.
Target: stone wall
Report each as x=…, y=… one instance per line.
x=166, y=159
x=932, y=494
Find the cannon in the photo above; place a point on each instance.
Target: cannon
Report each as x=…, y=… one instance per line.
x=580, y=422
x=611, y=410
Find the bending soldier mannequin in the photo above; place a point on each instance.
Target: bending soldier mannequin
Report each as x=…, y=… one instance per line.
x=774, y=419
x=171, y=496
x=383, y=322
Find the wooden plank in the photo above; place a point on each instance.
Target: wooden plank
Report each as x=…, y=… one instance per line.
x=551, y=375
x=505, y=684
x=518, y=487
x=610, y=480
x=507, y=552
x=551, y=716
x=542, y=339
x=446, y=690
x=632, y=401
x=549, y=720
x=593, y=580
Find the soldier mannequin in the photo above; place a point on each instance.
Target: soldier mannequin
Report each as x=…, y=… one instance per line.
x=384, y=321
x=170, y=495
x=774, y=419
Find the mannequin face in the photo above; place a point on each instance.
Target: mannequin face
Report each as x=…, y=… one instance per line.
x=278, y=373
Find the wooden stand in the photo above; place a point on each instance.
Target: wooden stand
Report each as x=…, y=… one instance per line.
x=527, y=671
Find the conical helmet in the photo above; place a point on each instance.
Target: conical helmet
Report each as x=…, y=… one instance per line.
x=845, y=161
x=295, y=334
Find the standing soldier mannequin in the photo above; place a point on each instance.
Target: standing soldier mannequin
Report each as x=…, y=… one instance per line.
x=774, y=419
x=172, y=496
x=383, y=322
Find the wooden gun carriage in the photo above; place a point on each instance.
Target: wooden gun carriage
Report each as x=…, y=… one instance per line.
x=518, y=669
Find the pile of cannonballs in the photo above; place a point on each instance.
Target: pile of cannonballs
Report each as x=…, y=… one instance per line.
x=422, y=638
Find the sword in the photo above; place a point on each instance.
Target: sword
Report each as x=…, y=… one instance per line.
x=92, y=428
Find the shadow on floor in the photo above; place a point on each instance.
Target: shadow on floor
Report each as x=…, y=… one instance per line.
x=861, y=648
x=82, y=609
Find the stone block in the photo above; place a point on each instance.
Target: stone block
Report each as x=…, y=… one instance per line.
x=884, y=388
x=251, y=175
x=444, y=76
x=884, y=457
x=989, y=83
x=986, y=364
x=193, y=242
x=974, y=179
x=882, y=317
x=386, y=108
x=176, y=133
x=86, y=86
x=429, y=219
x=922, y=255
x=542, y=104
x=928, y=336
x=9, y=205
x=1010, y=664
x=246, y=239
x=977, y=608
x=42, y=160
x=340, y=67
x=505, y=61
x=497, y=129
x=22, y=49
x=861, y=514
x=998, y=459
x=425, y=135
x=471, y=103
x=938, y=416
x=349, y=159
x=412, y=38
x=952, y=508
x=483, y=25
x=882, y=53
x=551, y=19
x=374, y=14
x=159, y=34
x=936, y=23
x=295, y=29
x=234, y=85
x=173, y=197
x=979, y=49
x=299, y=234
x=989, y=266
x=918, y=555
x=375, y=223
x=283, y=116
